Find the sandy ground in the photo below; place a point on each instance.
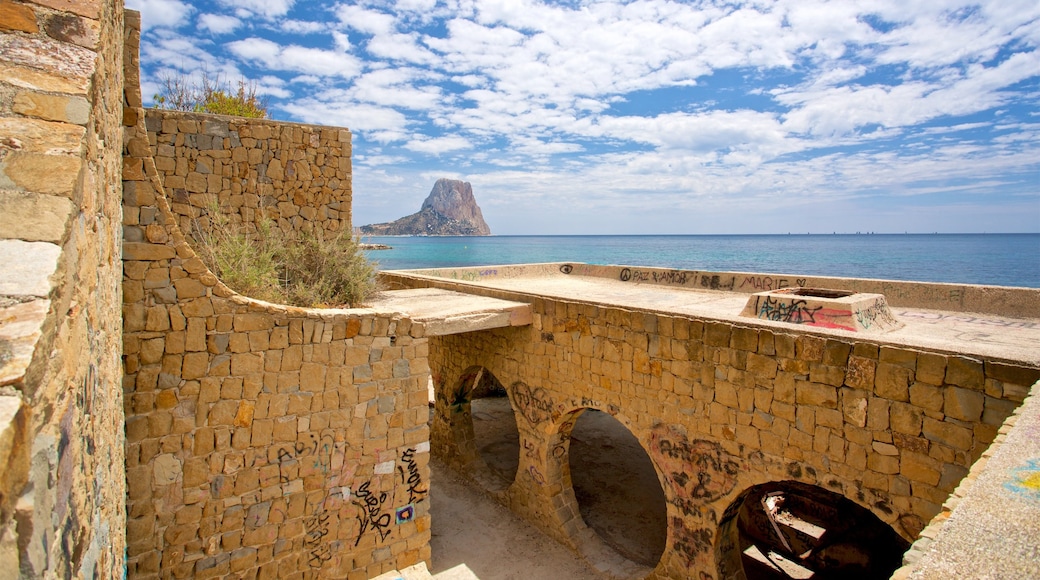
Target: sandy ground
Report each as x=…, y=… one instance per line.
x=617, y=490
x=471, y=529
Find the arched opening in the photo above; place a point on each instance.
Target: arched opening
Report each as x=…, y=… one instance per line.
x=787, y=529
x=615, y=484
x=485, y=429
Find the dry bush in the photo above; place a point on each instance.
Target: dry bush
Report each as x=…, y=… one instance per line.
x=300, y=269
x=210, y=95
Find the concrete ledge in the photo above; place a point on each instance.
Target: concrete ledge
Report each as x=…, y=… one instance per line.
x=444, y=312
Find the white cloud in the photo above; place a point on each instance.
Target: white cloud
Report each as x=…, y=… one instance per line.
x=384, y=123
x=266, y=8
x=161, y=13
x=302, y=27
x=364, y=20
x=219, y=23
x=438, y=145
x=295, y=58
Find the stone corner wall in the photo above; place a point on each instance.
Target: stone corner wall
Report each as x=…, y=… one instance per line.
x=297, y=175
x=263, y=441
x=61, y=423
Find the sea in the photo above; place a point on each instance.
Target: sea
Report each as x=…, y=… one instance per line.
x=992, y=259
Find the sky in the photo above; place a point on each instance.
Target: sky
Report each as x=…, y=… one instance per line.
x=650, y=116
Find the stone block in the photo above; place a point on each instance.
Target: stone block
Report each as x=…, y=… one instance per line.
x=905, y=419
x=147, y=252
x=885, y=464
x=815, y=394
x=28, y=267
x=89, y=8
x=17, y=16
x=919, y=468
x=38, y=173
x=893, y=382
x=247, y=363
x=963, y=404
x=916, y=444
x=965, y=372
x=34, y=217
x=947, y=433
x=926, y=396
x=60, y=108
x=854, y=406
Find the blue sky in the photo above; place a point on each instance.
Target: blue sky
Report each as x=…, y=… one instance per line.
x=651, y=116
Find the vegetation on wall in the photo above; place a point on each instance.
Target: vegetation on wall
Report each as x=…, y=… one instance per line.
x=210, y=95
x=315, y=268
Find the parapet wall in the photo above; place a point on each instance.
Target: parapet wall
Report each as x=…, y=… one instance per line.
x=297, y=175
x=62, y=484
x=263, y=441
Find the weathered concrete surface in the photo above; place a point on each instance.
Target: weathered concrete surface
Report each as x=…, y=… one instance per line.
x=993, y=531
x=988, y=332
x=444, y=312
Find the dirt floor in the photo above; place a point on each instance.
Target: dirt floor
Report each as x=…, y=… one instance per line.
x=617, y=490
x=474, y=532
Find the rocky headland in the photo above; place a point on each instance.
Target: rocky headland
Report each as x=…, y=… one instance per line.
x=449, y=210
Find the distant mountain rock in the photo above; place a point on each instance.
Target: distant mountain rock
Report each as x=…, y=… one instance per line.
x=449, y=210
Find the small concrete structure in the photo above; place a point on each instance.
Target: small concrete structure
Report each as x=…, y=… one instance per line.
x=840, y=309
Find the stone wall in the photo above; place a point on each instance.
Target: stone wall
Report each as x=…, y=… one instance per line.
x=891, y=428
x=297, y=175
x=262, y=440
x=61, y=424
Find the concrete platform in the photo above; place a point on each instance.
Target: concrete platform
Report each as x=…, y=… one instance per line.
x=986, y=331
x=444, y=312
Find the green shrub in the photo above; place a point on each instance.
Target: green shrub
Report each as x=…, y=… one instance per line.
x=300, y=269
x=325, y=270
x=178, y=93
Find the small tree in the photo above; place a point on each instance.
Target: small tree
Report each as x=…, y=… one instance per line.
x=178, y=93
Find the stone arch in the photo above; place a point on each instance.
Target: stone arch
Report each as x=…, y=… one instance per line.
x=485, y=435
x=612, y=502
x=789, y=529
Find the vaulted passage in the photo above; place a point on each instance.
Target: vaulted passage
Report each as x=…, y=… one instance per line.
x=485, y=428
x=618, y=492
x=787, y=529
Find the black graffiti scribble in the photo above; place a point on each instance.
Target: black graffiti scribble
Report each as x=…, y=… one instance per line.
x=795, y=312
x=626, y=275
x=316, y=527
x=535, y=405
x=700, y=471
x=566, y=268
x=416, y=489
x=370, y=513
x=690, y=543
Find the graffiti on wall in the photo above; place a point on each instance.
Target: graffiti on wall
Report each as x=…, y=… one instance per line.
x=686, y=278
x=698, y=471
x=378, y=509
x=761, y=283
x=798, y=311
x=535, y=405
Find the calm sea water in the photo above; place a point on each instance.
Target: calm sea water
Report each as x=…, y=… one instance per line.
x=998, y=259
